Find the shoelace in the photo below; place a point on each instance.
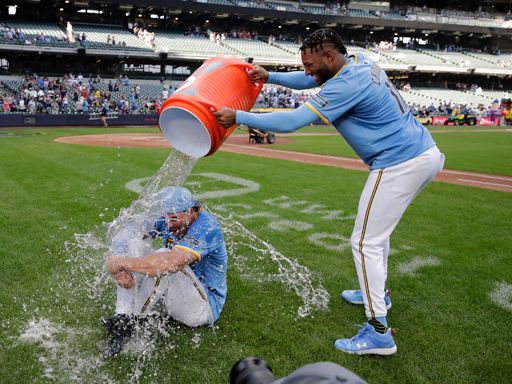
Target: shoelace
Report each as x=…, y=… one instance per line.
x=362, y=331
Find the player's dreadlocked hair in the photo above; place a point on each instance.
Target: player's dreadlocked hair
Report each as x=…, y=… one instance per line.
x=323, y=36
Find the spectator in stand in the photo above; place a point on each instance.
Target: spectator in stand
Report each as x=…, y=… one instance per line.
x=134, y=107
x=120, y=103
x=508, y=114
x=85, y=106
x=31, y=106
x=165, y=94
x=79, y=105
x=105, y=107
x=494, y=110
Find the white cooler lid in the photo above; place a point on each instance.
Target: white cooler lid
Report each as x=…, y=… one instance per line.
x=185, y=131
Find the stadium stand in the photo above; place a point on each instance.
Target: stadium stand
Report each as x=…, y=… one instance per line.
x=435, y=74
x=259, y=49
x=100, y=37
x=180, y=45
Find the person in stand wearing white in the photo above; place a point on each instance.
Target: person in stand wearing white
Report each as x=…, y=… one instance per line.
x=358, y=99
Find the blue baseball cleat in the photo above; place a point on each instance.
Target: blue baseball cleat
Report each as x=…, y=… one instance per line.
x=356, y=297
x=368, y=342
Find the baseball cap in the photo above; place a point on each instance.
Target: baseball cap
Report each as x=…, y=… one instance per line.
x=176, y=199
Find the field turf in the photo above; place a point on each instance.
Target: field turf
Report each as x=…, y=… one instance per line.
x=450, y=268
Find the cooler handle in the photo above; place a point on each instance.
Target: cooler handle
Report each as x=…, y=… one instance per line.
x=247, y=67
x=211, y=106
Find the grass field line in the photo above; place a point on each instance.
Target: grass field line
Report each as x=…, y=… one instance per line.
x=486, y=183
x=469, y=130
x=312, y=155
x=481, y=175
x=309, y=134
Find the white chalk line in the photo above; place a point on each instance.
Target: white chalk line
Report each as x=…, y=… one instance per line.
x=485, y=183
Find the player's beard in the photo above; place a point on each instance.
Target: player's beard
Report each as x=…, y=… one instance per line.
x=322, y=75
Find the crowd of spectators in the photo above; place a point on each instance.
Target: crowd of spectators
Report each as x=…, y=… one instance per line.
x=76, y=94
x=16, y=35
x=273, y=96
x=111, y=40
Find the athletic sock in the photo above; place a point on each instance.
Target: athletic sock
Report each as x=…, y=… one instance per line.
x=379, y=324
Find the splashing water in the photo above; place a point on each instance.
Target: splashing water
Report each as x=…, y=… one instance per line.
x=290, y=273
x=63, y=359
x=88, y=281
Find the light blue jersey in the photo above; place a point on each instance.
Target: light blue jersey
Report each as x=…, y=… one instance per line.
x=205, y=239
x=364, y=107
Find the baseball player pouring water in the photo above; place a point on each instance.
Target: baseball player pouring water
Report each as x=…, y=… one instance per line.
x=358, y=99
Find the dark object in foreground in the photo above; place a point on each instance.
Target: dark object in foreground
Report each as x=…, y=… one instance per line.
x=253, y=370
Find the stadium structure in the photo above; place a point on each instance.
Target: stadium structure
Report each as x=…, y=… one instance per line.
x=446, y=57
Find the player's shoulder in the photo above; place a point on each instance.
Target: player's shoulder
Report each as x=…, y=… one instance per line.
x=206, y=219
x=358, y=60
x=349, y=76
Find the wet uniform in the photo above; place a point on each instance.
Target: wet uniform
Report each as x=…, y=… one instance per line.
x=194, y=295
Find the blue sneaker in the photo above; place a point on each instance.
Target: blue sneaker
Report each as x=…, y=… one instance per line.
x=368, y=342
x=356, y=297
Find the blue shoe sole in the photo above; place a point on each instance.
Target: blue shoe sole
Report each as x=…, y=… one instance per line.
x=375, y=351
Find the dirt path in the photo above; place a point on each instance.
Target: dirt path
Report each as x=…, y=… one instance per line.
x=240, y=144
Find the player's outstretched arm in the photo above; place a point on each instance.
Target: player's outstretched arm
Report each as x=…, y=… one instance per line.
x=294, y=80
x=281, y=122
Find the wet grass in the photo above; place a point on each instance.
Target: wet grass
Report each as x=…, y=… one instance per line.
x=449, y=330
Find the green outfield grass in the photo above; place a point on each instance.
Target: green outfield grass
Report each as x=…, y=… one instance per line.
x=449, y=328
x=487, y=152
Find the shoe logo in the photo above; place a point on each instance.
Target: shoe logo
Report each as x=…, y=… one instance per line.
x=361, y=345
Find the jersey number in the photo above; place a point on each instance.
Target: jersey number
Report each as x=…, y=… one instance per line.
x=396, y=95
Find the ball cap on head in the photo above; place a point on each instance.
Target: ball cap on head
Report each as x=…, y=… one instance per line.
x=176, y=199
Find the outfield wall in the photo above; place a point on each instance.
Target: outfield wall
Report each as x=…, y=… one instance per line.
x=30, y=120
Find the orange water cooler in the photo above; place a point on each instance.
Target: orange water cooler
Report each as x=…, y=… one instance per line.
x=186, y=118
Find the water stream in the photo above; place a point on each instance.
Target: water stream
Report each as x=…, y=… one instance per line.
x=87, y=283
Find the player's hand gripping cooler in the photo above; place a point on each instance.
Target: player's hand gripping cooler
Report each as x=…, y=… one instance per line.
x=186, y=119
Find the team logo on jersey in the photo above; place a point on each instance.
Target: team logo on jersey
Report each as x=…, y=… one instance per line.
x=320, y=100
x=192, y=241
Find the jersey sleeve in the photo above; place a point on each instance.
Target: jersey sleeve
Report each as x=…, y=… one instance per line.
x=281, y=122
x=336, y=97
x=295, y=80
x=200, y=238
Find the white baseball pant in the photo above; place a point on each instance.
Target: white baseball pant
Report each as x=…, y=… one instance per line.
x=387, y=194
x=181, y=294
